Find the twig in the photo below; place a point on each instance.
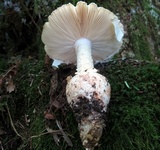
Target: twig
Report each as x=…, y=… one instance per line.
x=1, y=146
x=35, y=136
x=12, y=122
x=8, y=71
x=39, y=91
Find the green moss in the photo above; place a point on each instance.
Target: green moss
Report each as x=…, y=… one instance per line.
x=143, y=30
x=138, y=37
x=134, y=109
x=133, y=114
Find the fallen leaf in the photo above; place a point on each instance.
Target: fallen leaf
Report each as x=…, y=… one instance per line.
x=49, y=116
x=56, y=139
x=10, y=86
x=56, y=104
x=55, y=134
x=66, y=138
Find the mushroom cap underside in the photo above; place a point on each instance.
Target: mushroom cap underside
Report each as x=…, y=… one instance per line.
x=69, y=23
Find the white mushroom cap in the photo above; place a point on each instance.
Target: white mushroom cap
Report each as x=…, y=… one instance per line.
x=69, y=23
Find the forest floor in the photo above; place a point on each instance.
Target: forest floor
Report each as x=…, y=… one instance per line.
x=34, y=113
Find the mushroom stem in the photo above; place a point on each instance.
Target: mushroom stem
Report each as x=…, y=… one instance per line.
x=84, y=55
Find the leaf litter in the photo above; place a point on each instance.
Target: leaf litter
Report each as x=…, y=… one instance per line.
x=6, y=80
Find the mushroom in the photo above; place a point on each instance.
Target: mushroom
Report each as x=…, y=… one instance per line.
x=84, y=34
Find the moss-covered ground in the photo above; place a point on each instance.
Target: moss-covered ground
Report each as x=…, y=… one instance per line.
x=31, y=111
x=133, y=117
